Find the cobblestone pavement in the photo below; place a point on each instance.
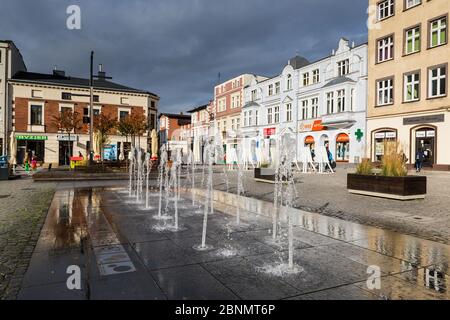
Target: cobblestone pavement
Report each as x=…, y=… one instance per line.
x=23, y=207
x=327, y=195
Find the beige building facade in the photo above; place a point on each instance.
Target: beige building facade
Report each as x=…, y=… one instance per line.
x=408, y=98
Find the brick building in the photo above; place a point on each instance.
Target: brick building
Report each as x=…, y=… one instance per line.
x=173, y=131
x=36, y=98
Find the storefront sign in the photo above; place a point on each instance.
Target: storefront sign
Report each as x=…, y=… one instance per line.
x=311, y=126
x=425, y=134
x=30, y=137
x=424, y=119
x=269, y=132
x=391, y=135
x=65, y=137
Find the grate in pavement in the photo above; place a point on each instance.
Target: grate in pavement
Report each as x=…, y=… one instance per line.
x=4, y=196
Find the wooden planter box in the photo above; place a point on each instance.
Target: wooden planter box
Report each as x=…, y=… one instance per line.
x=398, y=188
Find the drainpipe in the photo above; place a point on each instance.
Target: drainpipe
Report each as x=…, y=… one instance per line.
x=6, y=108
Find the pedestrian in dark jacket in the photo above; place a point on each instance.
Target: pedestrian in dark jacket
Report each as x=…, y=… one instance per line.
x=420, y=156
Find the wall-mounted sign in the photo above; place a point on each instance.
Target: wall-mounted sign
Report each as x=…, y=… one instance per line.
x=31, y=137
x=386, y=135
x=424, y=119
x=65, y=137
x=425, y=134
x=311, y=126
x=269, y=132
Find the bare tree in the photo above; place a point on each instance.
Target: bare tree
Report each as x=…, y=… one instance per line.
x=68, y=122
x=103, y=125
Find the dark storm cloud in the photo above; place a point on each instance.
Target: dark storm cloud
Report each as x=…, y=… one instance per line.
x=176, y=48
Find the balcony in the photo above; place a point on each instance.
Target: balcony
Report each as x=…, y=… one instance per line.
x=339, y=120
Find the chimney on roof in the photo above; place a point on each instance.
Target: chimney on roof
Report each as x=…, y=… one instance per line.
x=101, y=73
x=57, y=72
x=181, y=113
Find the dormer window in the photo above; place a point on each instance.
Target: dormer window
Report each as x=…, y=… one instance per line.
x=343, y=67
x=289, y=82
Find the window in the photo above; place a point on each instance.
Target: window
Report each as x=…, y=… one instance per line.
x=386, y=9
x=232, y=125
x=343, y=67
x=36, y=115
x=96, y=98
x=412, y=40
x=289, y=112
x=330, y=103
x=316, y=76
x=385, y=92
x=269, y=116
x=222, y=105
x=305, y=109
x=437, y=82
x=271, y=90
x=235, y=101
x=256, y=118
x=289, y=82
x=245, y=119
x=412, y=3
x=123, y=114
x=65, y=109
x=66, y=96
x=37, y=94
x=277, y=88
x=438, y=32
x=385, y=49
x=238, y=123
x=315, y=108
x=153, y=104
x=254, y=95
x=306, y=79
x=277, y=114
x=411, y=87
x=341, y=101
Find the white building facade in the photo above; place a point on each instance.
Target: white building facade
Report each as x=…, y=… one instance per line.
x=323, y=103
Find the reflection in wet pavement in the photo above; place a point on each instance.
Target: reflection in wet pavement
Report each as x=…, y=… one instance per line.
x=123, y=257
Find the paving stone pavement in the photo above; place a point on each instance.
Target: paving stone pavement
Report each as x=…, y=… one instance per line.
x=123, y=252
x=23, y=207
x=328, y=195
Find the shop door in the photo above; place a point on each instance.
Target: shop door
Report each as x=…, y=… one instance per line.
x=426, y=141
x=37, y=149
x=65, y=150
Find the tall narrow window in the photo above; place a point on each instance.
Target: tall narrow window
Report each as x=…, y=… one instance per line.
x=437, y=82
x=254, y=95
x=277, y=88
x=330, y=102
x=270, y=116
x=277, y=114
x=289, y=82
x=341, y=100
x=385, y=49
x=36, y=115
x=256, y=118
x=306, y=79
x=412, y=87
x=343, y=67
x=250, y=116
x=412, y=40
x=385, y=92
x=316, y=76
x=438, y=32
x=289, y=112
x=315, y=108
x=305, y=109
x=271, y=90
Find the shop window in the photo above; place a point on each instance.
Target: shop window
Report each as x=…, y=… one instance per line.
x=342, y=147
x=381, y=138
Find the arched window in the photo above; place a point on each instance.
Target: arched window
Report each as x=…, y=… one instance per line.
x=289, y=82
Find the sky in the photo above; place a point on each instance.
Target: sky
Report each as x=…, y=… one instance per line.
x=177, y=48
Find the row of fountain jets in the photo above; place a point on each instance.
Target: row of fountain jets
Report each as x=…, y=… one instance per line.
x=169, y=184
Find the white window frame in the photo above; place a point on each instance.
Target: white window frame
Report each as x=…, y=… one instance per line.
x=343, y=67
x=385, y=47
x=289, y=82
x=415, y=81
x=438, y=29
x=277, y=87
x=36, y=103
x=412, y=3
x=306, y=79
x=386, y=9
x=305, y=106
x=437, y=79
x=387, y=87
x=341, y=101
x=270, y=90
x=289, y=112
x=330, y=102
x=414, y=35
x=269, y=116
x=277, y=114
x=315, y=108
x=316, y=76
x=123, y=109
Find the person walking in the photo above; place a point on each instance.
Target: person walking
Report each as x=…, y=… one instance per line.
x=420, y=156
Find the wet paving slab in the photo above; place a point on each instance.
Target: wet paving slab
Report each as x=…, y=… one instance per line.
x=123, y=252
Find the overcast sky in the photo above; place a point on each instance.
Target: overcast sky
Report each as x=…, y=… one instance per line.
x=176, y=48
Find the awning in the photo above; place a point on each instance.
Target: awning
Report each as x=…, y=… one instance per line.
x=309, y=140
x=343, y=138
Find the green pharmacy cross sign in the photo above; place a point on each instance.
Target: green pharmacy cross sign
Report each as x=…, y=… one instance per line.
x=359, y=135
x=30, y=137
